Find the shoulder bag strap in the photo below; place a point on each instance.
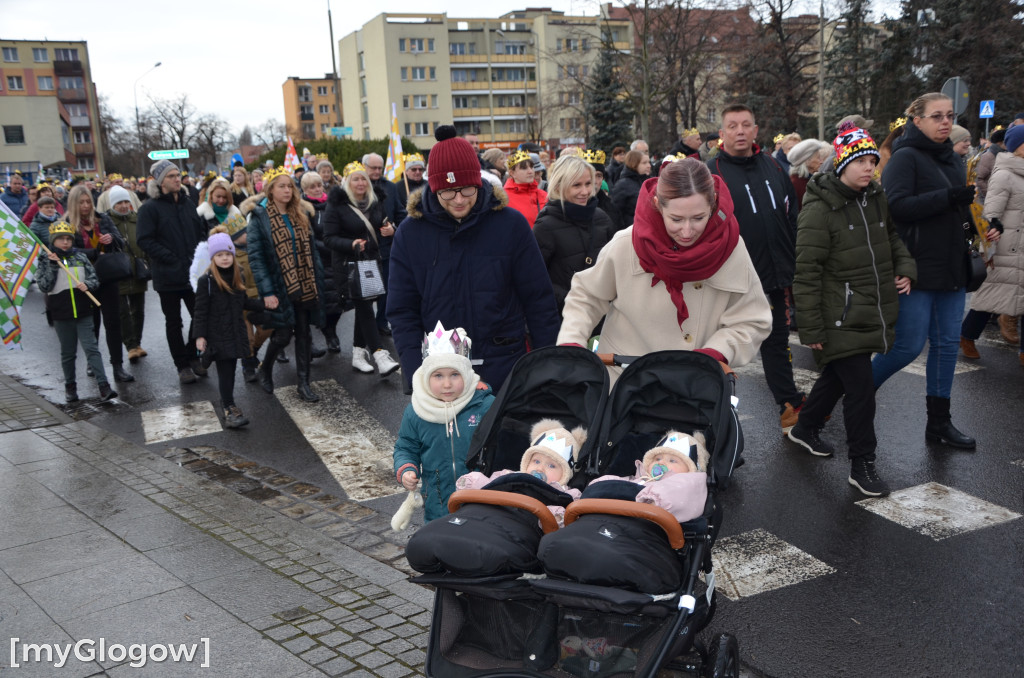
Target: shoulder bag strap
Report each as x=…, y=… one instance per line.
x=369, y=226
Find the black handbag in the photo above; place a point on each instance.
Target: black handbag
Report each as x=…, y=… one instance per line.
x=976, y=269
x=113, y=266
x=142, y=271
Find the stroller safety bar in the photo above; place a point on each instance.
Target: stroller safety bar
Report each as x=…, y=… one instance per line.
x=623, y=360
x=511, y=499
x=655, y=514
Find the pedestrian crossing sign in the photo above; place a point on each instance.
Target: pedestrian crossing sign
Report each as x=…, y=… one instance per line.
x=988, y=109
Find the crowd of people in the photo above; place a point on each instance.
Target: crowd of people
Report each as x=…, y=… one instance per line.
x=718, y=246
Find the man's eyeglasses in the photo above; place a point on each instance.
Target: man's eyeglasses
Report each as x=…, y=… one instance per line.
x=375, y=167
x=939, y=117
x=414, y=169
x=465, y=192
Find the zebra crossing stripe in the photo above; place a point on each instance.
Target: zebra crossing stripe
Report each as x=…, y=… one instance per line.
x=757, y=561
x=180, y=421
x=353, y=445
x=937, y=511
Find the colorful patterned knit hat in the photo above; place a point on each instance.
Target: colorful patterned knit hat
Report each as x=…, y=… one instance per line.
x=852, y=142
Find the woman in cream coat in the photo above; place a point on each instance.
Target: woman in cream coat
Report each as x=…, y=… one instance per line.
x=679, y=278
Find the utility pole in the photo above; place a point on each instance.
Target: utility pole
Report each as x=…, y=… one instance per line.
x=334, y=69
x=821, y=70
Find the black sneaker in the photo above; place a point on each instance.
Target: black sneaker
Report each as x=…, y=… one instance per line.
x=810, y=439
x=107, y=393
x=317, y=352
x=197, y=368
x=186, y=376
x=71, y=392
x=233, y=417
x=864, y=477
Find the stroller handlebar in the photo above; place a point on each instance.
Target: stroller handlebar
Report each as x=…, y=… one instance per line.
x=655, y=514
x=511, y=499
x=622, y=360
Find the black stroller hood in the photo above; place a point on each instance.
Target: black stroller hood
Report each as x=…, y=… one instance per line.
x=681, y=390
x=567, y=383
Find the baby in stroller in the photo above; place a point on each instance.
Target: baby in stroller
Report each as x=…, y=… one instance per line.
x=549, y=458
x=672, y=475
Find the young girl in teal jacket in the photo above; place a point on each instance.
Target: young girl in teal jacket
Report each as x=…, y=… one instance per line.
x=448, y=403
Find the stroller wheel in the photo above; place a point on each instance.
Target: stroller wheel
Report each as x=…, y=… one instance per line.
x=723, y=657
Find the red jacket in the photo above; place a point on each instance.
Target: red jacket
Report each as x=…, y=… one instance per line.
x=526, y=199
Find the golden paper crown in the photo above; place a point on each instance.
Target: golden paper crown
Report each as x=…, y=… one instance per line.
x=574, y=151
x=898, y=122
x=43, y=184
x=690, y=132
x=997, y=128
x=114, y=177
x=446, y=341
x=594, y=156
x=271, y=174
x=673, y=158
x=517, y=157
x=321, y=156
x=61, y=228
x=354, y=166
x=410, y=157
x=778, y=137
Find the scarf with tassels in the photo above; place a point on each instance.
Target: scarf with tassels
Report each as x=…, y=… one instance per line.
x=675, y=265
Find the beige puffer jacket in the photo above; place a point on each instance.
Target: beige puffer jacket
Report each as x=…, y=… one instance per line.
x=1003, y=289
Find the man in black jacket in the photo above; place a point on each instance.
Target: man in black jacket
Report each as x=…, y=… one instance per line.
x=169, y=228
x=765, y=207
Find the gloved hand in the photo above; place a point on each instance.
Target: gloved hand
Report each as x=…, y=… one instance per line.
x=961, y=195
x=996, y=224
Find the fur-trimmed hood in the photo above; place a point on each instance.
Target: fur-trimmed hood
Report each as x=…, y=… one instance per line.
x=153, y=190
x=205, y=210
x=250, y=203
x=415, y=202
x=339, y=198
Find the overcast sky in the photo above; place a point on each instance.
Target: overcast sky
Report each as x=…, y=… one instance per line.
x=231, y=57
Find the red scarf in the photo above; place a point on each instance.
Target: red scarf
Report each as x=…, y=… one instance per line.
x=675, y=265
x=90, y=233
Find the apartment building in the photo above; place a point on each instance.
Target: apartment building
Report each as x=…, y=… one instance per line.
x=310, y=106
x=518, y=77
x=48, y=108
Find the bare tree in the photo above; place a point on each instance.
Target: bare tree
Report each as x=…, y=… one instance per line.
x=177, y=119
x=212, y=135
x=271, y=133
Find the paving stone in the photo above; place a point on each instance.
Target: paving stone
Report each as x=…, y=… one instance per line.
x=422, y=619
x=361, y=541
x=299, y=510
x=393, y=670
x=356, y=626
x=406, y=630
x=375, y=612
x=338, y=667
x=320, y=519
x=317, y=627
x=407, y=609
x=325, y=500
x=300, y=644
x=370, y=590
x=375, y=659
x=376, y=636
x=264, y=623
x=393, y=647
x=317, y=606
x=384, y=551
x=327, y=566
x=279, y=480
x=281, y=632
x=292, y=569
x=292, y=614
x=352, y=511
x=318, y=655
x=355, y=649
x=335, y=613
x=334, y=639
x=306, y=577
x=413, y=657
x=302, y=490
x=322, y=586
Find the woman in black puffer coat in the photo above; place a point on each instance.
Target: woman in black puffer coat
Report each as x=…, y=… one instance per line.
x=352, y=210
x=627, y=189
x=571, y=229
x=314, y=193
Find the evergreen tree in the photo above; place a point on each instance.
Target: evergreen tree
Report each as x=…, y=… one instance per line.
x=609, y=117
x=850, y=67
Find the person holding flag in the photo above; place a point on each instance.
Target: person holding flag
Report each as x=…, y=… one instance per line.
x=18, y=255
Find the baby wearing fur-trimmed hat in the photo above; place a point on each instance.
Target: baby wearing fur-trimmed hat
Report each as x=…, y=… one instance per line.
x=552, y=453
x=673, y=474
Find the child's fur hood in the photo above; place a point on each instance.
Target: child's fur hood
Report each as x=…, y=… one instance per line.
x=413, y=206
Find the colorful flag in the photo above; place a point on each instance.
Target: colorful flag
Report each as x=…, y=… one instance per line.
x=18, y=252
x=291, y=158
x=394, y=167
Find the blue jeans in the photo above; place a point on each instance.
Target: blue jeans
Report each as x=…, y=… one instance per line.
x=925, y=315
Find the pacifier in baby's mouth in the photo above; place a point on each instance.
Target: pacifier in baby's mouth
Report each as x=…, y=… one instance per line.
x=658, y=470
x=538, y=475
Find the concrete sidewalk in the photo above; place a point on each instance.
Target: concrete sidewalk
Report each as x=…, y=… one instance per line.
x=104, y=541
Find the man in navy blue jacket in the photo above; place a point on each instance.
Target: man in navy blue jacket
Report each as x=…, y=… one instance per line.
x=464, y=258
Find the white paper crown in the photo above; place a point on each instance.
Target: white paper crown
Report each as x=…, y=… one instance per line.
x=557, y=445
x=442, y=341
x=683, y=444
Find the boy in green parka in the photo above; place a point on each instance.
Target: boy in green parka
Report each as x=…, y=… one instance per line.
x=850, y=266
x=448, y=403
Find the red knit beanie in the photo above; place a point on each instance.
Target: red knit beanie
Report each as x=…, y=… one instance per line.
x=453, y=163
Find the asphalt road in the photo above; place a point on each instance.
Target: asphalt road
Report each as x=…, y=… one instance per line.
x=817, y=582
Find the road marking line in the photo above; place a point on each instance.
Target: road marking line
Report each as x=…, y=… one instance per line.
x=757, y=561
x=180, y=421
x=938, y=511
x=353, y=445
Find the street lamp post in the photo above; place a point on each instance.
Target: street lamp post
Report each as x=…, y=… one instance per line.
x=138, y=124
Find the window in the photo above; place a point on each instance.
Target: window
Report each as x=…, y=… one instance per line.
x=569, y=98
x=362, y=87
x=65, y=54
x=416, y=44
x=87, y=163
x=572, y=45
x=366, y=113
x=77, y=110
x=508, y=74
x=39, y=55
x=570, y=124
x=512, y=127
x=308, y=130
x=419, y=101
x=433, y=101
x=321, y=90
x=610, y=36
x=83, y=137
x=362, y=62
x=405, y=101
x=306, y=110
x=408, y=129
x=464, y=102
x=324, y=109
x=419, y=73
x=509, y=101
x=45, y=82
x=305, y=93
x=422, y=129
x=324, y=127
x=15, y=83
x=11, y=54
x=14, y=134
x=510, y=47
x=458, y=48
x=401, y=44
x=404, y=71
x=71, y=82
x=433, y=73
x=584, y=45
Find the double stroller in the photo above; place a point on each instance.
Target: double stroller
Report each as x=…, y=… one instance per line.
x=623, y=589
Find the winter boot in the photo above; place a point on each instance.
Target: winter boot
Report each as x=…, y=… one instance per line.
x=186, y=376
x=106, y=393
x=1008, y=328
x=265, y=372
x=317, y=352
x=303, y=356
x=70, y=392
x=361, y=360
x=968, y=348
x=385, y=363
x=282, y=357
x=233, y=417
x=940, y=427
x=331, y=336
x=865, y=478
x=120, y=374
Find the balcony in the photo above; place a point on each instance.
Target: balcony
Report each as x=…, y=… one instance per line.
x=68, y=68
x=484, y=112
x=485, y=85
x=69, y=94
x=80, y=121
x=306, y=117
x=84, y=149
x=484, y=59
